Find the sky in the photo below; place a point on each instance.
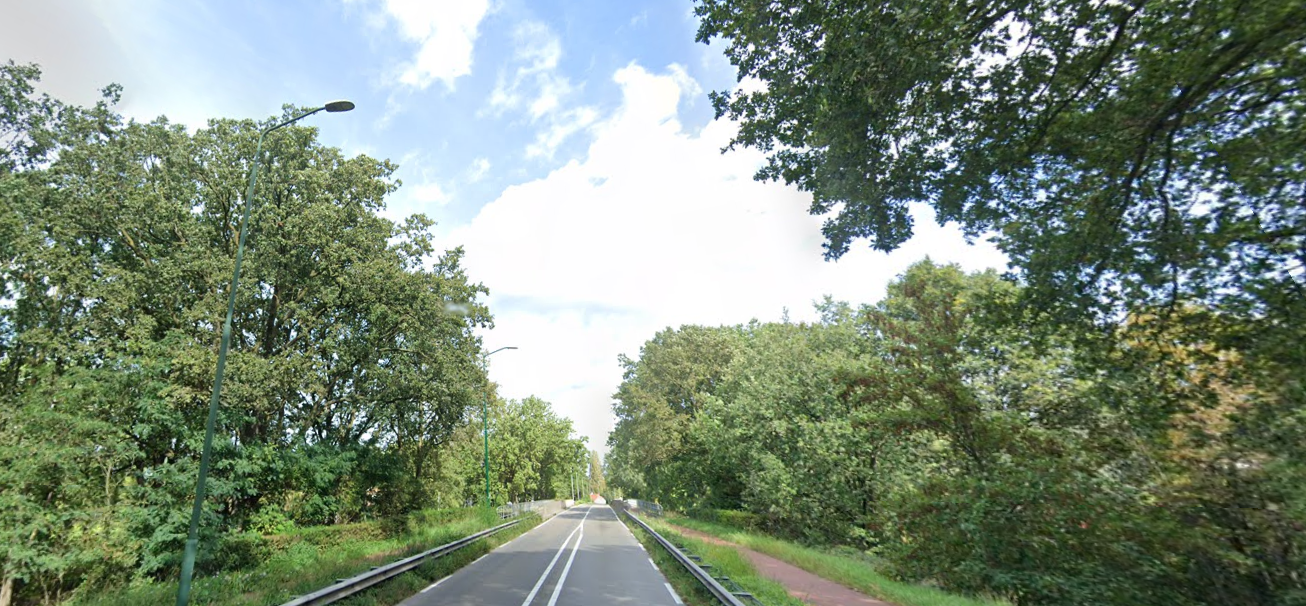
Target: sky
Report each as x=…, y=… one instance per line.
x=568, y=146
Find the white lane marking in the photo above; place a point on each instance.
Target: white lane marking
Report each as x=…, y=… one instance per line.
x=536, y=588
x=483, y=556
x=553, y=599
x=650, y=561
x=673, y=593
x=434, y=585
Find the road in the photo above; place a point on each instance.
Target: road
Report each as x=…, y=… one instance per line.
x=581, y=557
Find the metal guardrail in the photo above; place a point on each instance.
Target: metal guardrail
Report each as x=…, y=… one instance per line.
x=347, y=587
x=714, y=587
x=650, y=507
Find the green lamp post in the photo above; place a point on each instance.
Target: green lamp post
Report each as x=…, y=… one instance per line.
x=192, y=538
x=485, y=418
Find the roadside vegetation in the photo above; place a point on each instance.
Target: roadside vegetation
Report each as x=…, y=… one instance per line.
x=1120, y=419
x=848, y=567
x=725, y=561
x=354, y=386
x=278, y=567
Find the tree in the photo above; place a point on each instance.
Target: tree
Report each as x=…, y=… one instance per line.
x=531, y=451
x=1133, y=152
x=783, y=440
x=347, y=372
x=660, y=392
x=596, y=482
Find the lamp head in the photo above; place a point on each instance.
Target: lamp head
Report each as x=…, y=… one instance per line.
x=339, y=106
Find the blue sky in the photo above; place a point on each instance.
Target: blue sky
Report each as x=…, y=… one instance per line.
x=569, y=146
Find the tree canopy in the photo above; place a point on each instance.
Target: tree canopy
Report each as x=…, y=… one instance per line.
x=1119, y=419
x=1119, y=152
x=354, y=378
x=936, y=431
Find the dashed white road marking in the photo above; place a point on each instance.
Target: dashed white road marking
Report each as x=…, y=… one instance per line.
x=673, y=593
x=651, y=563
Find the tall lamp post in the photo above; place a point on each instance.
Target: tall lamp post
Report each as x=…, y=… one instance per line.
x=485, y=417
x=192, y=538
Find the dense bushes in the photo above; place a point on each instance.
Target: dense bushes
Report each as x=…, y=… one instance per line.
x=1038, y=536
x=935, y=431
x=243, y=550
x=730, y=517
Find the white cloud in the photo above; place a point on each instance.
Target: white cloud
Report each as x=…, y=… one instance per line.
x=561, y=126
x=552, y=89
x=538, y=89
x=445, y=33
x=535, y=82
x=479, y=168
x=429, y=194
x=655, y=228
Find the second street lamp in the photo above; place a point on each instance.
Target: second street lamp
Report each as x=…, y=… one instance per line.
x=485, y=417
x=192, y=537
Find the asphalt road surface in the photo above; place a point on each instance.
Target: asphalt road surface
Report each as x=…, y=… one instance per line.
x=581, y=557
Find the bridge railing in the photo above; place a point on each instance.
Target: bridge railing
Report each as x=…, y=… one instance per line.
x=545, y=508
x=646, y=507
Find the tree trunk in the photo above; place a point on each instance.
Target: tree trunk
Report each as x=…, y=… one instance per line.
x=7, y=592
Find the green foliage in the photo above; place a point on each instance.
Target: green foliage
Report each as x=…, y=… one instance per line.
x=935, y=430
x=597, y=484
x=651, y=453
x=350, y=388
x=239, y=552
x=328, y=536
x=1134, y=152
x=1141, y=165
x=1037, y=535
x=271, y=520
x=271, y=569
x=533, y=453
x=729, y=517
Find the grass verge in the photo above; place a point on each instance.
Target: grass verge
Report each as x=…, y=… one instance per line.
x=725, y=561
x=850, y=571
x=305, y=567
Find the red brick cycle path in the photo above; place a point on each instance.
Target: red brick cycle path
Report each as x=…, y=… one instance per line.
x=801, y=584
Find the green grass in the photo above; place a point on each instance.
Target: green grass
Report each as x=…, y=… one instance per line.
x=725, y=561
x=304, y=566
x=849, y=570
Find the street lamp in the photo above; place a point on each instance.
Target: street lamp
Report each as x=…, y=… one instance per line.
x=485, y=417
x=192, y=538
